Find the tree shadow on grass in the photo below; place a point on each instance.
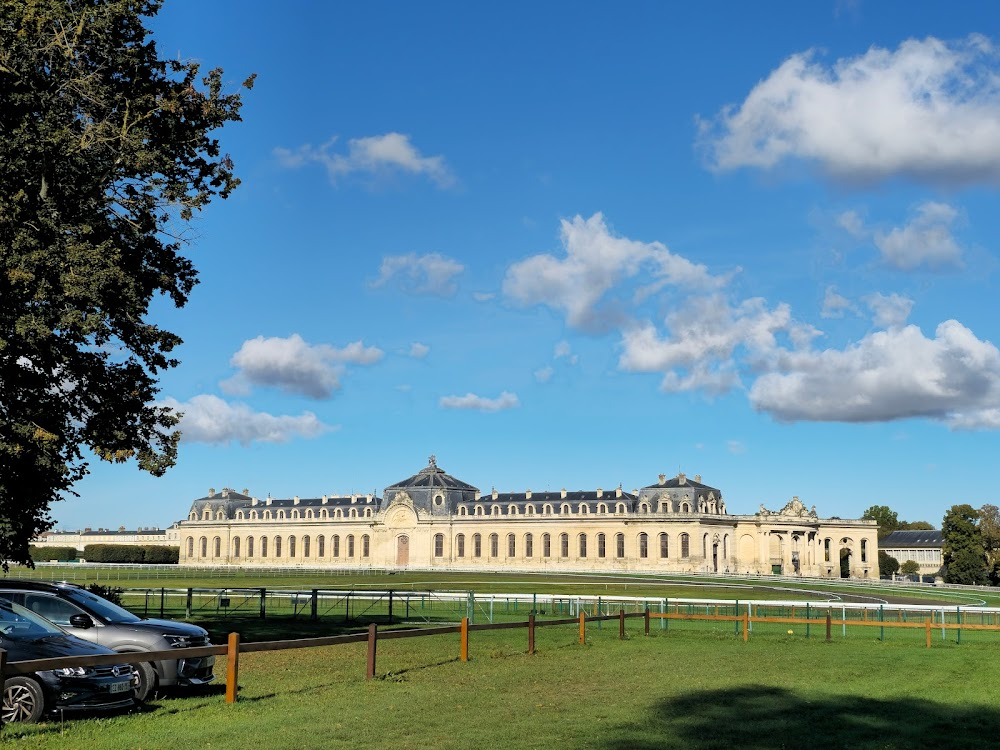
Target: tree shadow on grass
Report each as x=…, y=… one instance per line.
x=766, y=718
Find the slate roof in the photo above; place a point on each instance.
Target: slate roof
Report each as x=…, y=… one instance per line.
x=676, y=483
x=432, y=477
x=911, y=539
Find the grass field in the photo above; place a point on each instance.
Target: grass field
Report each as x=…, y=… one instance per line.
x=679, y=689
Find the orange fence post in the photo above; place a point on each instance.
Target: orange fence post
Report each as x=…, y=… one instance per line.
x=746, y=627
x=232, y=667
x=464, y=655
x=531, y=633
x=927, y=626
x=646, y=618
x=621, y=624
x=583, y=628
x=372, y=641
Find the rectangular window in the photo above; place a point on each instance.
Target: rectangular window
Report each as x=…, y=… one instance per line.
x=685, y=546
x=438, y=545
x=477, y=545
x=643, y=546
x=583, y=545
x=528, y=545
x=350, y=545
x=601, y=551
x=460, y=545
x=494, y=545
x=546, y=545
x=620, y=546
x=564, y=545
x=664, y=546
x=510, y=545
x=336, y=545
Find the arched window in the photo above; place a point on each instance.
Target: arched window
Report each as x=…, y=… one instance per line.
x=295, y=513
x=267, y=515
x=479, y=510
x=664, y=546
x=564, y=545
x=620, y=508
x=546, y=545
x=704, y=546
x=366, y=545
x=512, y=510
x=564, y=509
x=253, y=515
x=510, y=546
x=281, y=515
x=643, y=545
x=217, y=547
x=529, y=545
x=190, y=546
x=495, y=510
x=239, y=515
x=547, y=509
x=263, y=546
x=494, y=545
x=354, y=512
x=685, y=507
x=350, y=545
x=368, y=512
x=644, y=507
x=619, y=546
x=305, y=547
x=320, y=546
x=277, y=546
x=864, y=550
x=477, y=545
x=438, y=545
x=582, y=508
x=462, y=511
x=336, y=545
x=338, y=513
x=602, y=507
x=826, y=550
x=236, y=546
x=460, y=545
x=309, y=513
x=685, y=546
x=206, y=514
x=192, y=516
x=203, y=547
x=249, y=546
x=601, y=546
x=583, y=545
x=291, y=546
x=324, y=513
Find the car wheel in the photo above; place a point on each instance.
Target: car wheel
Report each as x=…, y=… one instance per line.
x=143, y=681
x=23, y=700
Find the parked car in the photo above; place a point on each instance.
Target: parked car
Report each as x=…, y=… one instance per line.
x=92, y=618
x=27, y=698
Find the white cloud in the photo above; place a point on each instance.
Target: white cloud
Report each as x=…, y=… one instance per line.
x=483, y=296
x=894, y=374
x=563, y=350
x=926, y=240
x=890, y=311
x=432, y=273
x=835, y=305
x=505, y=400
x=418, y=350
x=594, y=262
x=852, y=223
x=736, y=447
x=544, y=374
x=378, y=154
x=295, y=366
x=209, y=419
x=929, y=111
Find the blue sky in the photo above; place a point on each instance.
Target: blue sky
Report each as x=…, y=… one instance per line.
x=578, y=245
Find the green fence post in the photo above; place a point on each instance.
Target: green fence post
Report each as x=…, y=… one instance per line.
x=881, y=618
x=958, y=619
x=599, y=612
x=736, y=611
x=807, y=619
x=314, y=605
x=190, y=596
x=263, y=605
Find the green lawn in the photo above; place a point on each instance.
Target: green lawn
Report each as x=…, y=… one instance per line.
x=684, y=688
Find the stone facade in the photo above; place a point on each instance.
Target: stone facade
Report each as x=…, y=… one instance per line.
x=433, y=520
x=135, y=537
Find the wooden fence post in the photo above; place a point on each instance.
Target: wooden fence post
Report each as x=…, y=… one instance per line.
x=464, y=652
x=829, y=626
x=621, y=624
x=531, y=633
x=232, y=667
x=646, y=624
x=746, y=626
x=372, y=642
x=187, y=608
x=927, y=625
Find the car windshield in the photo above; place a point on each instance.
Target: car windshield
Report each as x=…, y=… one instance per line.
x=20, y=624
x=100, y=607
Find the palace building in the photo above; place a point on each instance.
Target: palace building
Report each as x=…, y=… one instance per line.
x=433, y=520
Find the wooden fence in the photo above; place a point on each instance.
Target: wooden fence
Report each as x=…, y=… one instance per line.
x=232, y=650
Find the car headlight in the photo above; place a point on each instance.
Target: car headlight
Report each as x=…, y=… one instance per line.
x=176, y=641
x=72, y=672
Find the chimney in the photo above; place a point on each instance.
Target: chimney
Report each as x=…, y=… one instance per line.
x=562, y=493
x=697, y=478
x=600, y=492
x=527, y=494
x=681, y=478
x=494, y=493
x=268, y=501
x=663, y=478
x=253, y=501
x=211, y=491
x=295, y=500
x=354, y=498
x=476, y=496
x=618, y=492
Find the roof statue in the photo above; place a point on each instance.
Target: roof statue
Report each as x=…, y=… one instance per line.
x=794, y=508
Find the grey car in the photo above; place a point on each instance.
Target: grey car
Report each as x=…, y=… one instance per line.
x=88, y=616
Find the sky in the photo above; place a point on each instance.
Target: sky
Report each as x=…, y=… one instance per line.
x=578, y=245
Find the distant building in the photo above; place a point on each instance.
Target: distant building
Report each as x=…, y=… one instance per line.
x=80, y=539
x=923, y=547
x=433, y=520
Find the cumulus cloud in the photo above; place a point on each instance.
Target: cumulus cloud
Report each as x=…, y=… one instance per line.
x=835, y=305
x=544, y=374
x=894, y=374
x=432, y=274
x=483, y=296
x=926, y=240
x=889, y=311
x=505, y=400
x=376, y=155
x=294, y=366
x=418, y=350
x=209, y=419
x=928, y=111
x=563, y=350
x=593, y=262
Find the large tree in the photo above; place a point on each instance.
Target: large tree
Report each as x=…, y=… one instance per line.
x=963, y=552
x=888, y=520
x=105, y=154
x=989, y=530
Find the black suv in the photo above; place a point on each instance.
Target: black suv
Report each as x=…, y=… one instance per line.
x=88, y=616
x=26, y=698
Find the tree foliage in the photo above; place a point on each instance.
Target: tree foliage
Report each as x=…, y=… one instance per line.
x=887, y=564
x=132, y=553
x=105, y=154
x=888, y=520
x=909, y=568
x=963, y=552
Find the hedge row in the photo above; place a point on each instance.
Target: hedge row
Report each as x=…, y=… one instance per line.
x=46, y=554
x=131, y=553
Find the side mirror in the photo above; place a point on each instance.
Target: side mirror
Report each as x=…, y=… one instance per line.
x=80, y=621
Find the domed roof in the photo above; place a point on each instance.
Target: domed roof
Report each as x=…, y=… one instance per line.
x=432, y=477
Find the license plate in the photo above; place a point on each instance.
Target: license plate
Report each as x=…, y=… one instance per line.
x=120, y=687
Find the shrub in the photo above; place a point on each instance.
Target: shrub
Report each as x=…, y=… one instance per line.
x=112, y=593
x=41, y=554
x=131, y=553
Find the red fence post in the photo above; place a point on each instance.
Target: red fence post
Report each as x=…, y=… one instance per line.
x=621, y=624
x=372, y=641
x=464, y=653
x=232, y=667
x=531, y=634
